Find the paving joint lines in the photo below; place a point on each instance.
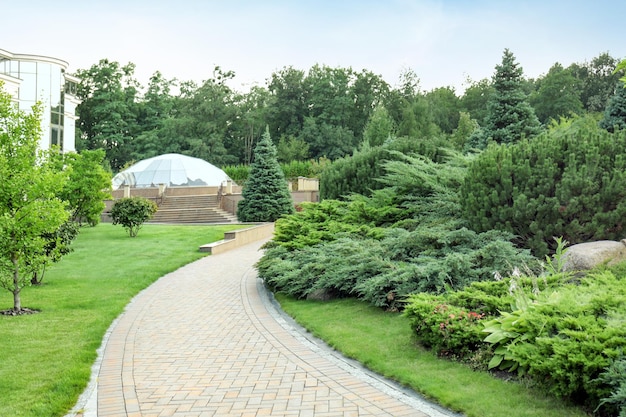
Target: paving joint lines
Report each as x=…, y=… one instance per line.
x=210, y=340
x=355, y=368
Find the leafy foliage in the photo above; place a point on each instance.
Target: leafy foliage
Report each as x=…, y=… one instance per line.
x=292, y=149
x=132, y=213
x=621, y=67
x=379, y=128
x=321, y=222
x=29, y=206
x=89, y=184
x=598, y=78
x=58, y=244
x=291, y=170
x=572, y=335
x=319, y=112
x=557, y=95
x=481, y=302
x=384, y=270
x=565, y=334
x=108, y=111
x=569, y=182
x=265, y=196
x=447, y=329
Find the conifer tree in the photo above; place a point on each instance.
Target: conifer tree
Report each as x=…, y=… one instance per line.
x=615, y=112
x=509, y=115
x=266, y=196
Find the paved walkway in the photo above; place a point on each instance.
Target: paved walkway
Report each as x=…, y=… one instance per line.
x=206, y=340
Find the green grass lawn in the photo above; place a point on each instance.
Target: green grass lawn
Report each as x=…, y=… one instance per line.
x=383, y=342
x=46, y=358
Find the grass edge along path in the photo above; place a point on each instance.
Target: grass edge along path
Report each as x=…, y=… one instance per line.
x=46, y=358
x=383, y=342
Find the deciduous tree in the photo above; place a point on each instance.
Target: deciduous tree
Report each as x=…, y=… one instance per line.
x=379, y=128
x=88, y=186
x=444, y=107
x=557, y=95
x=475, y=99
x=29, y=206
x=598, y=81
x=108, y=111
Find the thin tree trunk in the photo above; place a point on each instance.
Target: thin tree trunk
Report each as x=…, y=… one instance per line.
x=17, y=303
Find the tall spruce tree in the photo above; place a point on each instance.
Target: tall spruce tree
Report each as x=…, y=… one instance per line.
x=266, y=196
x=509, y=115
x=615, y=112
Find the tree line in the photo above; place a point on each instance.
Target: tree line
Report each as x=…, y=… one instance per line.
x=322, y=112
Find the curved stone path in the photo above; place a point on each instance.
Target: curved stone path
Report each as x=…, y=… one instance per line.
x=206, y=340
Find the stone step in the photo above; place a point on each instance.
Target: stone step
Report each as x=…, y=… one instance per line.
x=191, y=209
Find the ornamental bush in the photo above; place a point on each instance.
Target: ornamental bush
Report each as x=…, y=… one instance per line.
x=132, y=213
x=573, y=333
x=446, y=329
x=615, y=377
x=569, y=182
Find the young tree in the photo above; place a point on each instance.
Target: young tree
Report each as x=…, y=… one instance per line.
x=29, y=206
x=509, y=116
x=265, y=196
x=379, y=128
x=132, y=213
x=88, y=186
x=444, y=107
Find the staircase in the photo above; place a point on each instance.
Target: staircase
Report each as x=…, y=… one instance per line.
x=191, y=209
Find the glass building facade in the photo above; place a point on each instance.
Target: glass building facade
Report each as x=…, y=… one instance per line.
x=31, y=79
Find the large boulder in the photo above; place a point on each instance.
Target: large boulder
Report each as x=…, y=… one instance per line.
x=585, y=256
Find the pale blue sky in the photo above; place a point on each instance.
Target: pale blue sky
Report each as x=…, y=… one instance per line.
x=443, y=41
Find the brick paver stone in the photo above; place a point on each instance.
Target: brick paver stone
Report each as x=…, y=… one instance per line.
x=201, y=341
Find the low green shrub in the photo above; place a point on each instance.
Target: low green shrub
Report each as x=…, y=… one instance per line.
x=565, y=337
x=475, y=306
x=448, y=330
x=383, y=266
x=615, y=377
x=578, y=330
x=315, y=223
x=132, y=213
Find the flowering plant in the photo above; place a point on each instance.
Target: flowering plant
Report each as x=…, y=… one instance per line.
x=447, y=329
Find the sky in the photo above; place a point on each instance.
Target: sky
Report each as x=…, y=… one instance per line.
x=444, y=42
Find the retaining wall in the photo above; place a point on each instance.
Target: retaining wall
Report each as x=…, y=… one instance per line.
x=240, y=237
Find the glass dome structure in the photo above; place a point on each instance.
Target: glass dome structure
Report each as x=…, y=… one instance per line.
x=173, y=170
